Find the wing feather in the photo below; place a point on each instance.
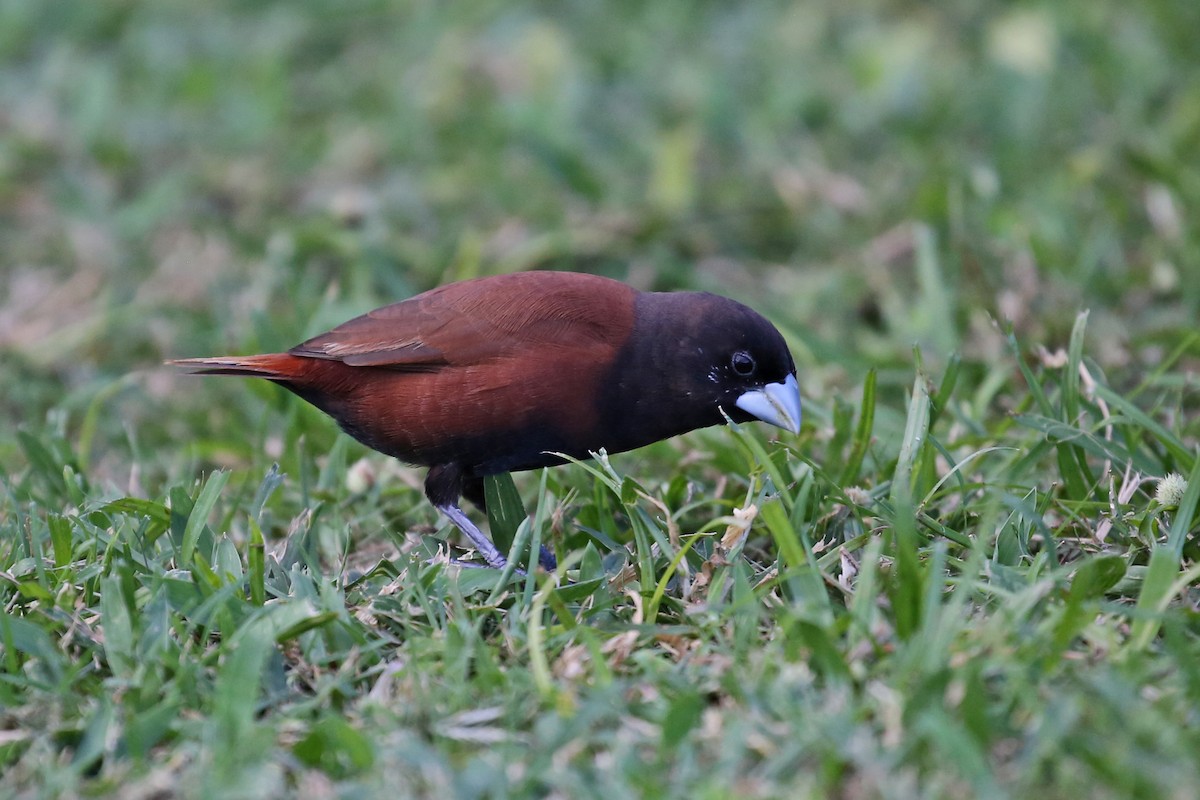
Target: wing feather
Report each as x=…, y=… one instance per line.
x=481, y=320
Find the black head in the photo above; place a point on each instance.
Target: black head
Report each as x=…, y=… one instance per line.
x=693, y=356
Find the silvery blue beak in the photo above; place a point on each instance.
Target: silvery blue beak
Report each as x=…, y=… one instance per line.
x=776, y=403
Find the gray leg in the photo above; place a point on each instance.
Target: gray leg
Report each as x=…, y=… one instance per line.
x=482, y=543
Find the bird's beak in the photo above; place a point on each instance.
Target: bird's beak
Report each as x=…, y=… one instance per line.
x=776, y=403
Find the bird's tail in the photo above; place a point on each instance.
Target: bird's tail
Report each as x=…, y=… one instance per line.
x=272, y=366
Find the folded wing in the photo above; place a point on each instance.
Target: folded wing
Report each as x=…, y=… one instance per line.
x=460, y=325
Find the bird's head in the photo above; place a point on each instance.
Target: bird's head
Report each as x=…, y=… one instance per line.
x=699, y=356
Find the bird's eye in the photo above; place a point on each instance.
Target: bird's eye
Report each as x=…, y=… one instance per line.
x=743, y=363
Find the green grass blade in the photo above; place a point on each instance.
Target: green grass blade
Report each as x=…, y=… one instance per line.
x=862, y=433
x=907, y=582
x=1156, y=588
x=256, y=564
x=1183, y=456
x=1185, y=514
x=505, y=510
x=198, y=517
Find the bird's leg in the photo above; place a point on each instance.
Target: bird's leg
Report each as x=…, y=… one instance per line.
x=443, y=486
x=482, y=543
x=473, y=491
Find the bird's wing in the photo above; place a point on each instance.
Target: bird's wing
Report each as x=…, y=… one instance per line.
x=482, y=320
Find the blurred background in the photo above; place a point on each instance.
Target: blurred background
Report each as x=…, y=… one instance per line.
x=182, y=179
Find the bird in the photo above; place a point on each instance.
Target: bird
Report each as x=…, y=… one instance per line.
x=516, y=371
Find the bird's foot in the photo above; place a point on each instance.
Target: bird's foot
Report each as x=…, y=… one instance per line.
x=458, y=562
x=483, y=544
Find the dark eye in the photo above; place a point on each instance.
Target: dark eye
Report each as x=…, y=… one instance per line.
x=743, y=363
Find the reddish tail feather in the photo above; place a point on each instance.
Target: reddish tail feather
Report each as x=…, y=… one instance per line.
x=273, y=366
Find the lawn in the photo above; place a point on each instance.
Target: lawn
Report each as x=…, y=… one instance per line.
x=974, y=573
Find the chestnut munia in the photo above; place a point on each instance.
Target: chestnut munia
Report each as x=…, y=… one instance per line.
x=500, y=373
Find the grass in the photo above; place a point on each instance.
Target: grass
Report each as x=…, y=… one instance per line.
x=964, y=578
